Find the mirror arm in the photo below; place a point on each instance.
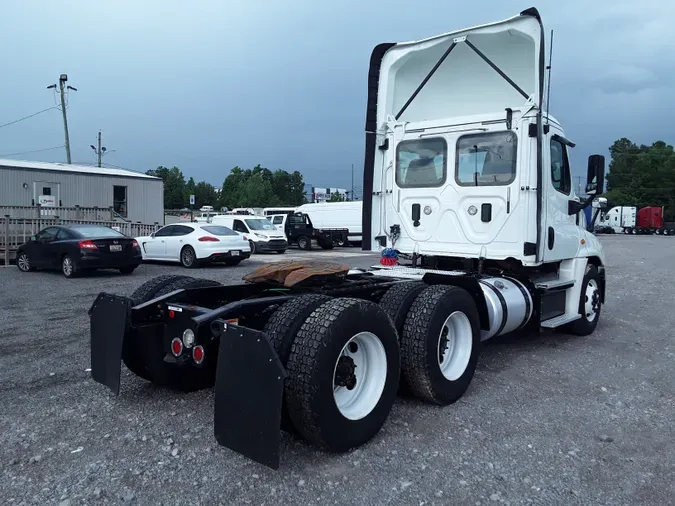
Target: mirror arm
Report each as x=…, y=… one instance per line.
x=574, y=207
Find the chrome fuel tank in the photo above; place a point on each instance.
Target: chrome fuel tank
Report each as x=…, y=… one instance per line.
x=509, y=305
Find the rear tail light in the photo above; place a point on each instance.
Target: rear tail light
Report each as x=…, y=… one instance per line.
x=208, y=238
x=134, y=244
x=87, y=245
x=176, y=347
x=198, y=354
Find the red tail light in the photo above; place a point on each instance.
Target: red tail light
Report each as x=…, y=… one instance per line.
x=176, y=347
x=208, y=238
x=87, y=245
x=134, y=244
x=198, y=354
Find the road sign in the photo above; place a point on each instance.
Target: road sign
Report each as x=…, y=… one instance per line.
x=192, y=200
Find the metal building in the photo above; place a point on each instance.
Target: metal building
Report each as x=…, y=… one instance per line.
x=132, y=195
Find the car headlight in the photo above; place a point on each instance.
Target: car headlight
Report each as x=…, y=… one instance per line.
x=262, y=236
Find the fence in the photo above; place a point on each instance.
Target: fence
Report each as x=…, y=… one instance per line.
x=16, y=231
x=66, y=213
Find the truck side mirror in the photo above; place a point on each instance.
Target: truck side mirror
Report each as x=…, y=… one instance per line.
x=595, y=175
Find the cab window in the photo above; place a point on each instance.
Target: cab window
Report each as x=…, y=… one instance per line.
x=487, y=159
x=421, y=163
x=560, y=168
x=238, y=226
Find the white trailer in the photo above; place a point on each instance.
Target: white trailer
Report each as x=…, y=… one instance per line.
x=619, y=220
x=337, y=215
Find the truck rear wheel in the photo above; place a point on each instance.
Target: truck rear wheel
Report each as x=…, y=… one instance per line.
x=343, y=374
x=304, y=242
x=440, y=344
x=281, y=329
x=589, y=304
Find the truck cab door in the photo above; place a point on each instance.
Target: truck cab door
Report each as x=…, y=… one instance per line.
x=561, y=235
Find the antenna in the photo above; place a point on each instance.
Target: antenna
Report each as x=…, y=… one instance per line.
x=548, y=91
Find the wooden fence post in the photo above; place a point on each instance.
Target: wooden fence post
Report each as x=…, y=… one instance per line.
x=6, y=231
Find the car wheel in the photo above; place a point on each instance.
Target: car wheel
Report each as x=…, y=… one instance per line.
x=23, y=263
x=127, y=270
x=69, y=267
x=281, y=251
x=253, y=248
x=232, y=261
x=188, y=257
x=304, y=242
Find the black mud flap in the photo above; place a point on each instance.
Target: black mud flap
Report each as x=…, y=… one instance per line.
x=249, y=389
x=109, y=319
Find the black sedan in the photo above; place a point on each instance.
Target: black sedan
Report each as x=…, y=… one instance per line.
x=77, y=249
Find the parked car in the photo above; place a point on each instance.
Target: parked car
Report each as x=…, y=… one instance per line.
x=261, y=234
x=78, y=249
x=192, y=244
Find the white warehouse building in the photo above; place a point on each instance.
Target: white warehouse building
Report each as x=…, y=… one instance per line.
x=134, y=196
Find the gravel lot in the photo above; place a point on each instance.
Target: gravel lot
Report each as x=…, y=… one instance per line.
x=549, y=418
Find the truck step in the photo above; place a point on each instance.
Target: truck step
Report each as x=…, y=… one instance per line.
x=559, y=321
x=554, y=285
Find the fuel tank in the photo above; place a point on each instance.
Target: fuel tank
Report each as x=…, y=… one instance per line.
x=509, y=305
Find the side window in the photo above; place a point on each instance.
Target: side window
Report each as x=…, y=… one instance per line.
x=421, y=163
x=487, y=159
x=48, y=234
x=165, y=232
x=63, y=235
x=239, y=226
x=560, y=168
x=278, y=220
x=180, y=230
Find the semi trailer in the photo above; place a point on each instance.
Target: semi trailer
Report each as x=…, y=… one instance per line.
x=467, y=190
x=633, y=221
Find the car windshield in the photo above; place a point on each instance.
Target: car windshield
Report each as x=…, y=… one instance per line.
x=219, y=230
x=259, y=224
x=96, y=231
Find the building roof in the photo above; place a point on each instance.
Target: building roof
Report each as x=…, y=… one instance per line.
x=64, y=167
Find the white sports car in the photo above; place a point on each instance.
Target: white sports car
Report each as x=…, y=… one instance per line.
x=194, y=243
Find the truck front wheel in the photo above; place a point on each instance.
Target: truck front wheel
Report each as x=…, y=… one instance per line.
x=589, y=304
x=343, y=373
x=440, y=344
x=304, y=242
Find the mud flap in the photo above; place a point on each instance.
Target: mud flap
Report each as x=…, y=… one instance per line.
x=249, y=389
x=109, y=321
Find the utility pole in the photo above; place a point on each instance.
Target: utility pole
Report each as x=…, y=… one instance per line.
x=353, y=182
x=63, y=88
x=101, y=149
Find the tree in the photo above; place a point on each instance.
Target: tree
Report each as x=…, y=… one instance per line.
x=190, y=190
x=260, y=187
x=174, y=186
x=642, y=175
x=205, y=195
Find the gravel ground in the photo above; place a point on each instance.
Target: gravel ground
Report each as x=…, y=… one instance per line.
x=548, y=419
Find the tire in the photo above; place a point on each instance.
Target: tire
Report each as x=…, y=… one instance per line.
x=319, y=411
x=281, y=251
x=436, y=309
x=127, y=270
x=147, y=290
x=281, y=329
x=304, y=242
x=633, y=231
x=232, y=261
x=326, y=245
x=69, y=267
x=657, y=231
x=253, y=248
x=590, y=288
x=23, y=263
x=188, y=257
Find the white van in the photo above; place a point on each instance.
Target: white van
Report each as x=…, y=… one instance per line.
x=261, y=234
x=336, y=215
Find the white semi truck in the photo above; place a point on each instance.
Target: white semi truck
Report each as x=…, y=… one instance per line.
x=467, y=186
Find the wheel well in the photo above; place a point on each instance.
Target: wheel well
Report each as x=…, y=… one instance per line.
x=594, y=260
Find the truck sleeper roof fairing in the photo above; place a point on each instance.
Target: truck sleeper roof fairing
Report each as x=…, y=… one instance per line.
x=478, y=70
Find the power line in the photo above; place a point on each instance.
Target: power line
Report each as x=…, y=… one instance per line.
x=32, y=151
x=28, y=117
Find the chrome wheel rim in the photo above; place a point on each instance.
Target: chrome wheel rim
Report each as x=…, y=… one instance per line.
x=591, y=301
x=23, y=262
x=188, y=257
x=455, y=343
x=67, y=266
x=359, y=376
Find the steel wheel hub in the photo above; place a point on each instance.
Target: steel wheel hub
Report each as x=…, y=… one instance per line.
x=455, y=343
x=591, y=300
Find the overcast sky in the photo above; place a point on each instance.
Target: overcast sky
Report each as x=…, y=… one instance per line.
x=210, y=84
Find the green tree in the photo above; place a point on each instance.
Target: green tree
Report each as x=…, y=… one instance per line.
x=260, y=187
x=174, y=186
x=205, y=195
x=189, y=190
x=642, y=175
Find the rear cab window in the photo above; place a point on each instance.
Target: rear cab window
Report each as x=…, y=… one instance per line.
x=421, y=163
x=486, y=159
